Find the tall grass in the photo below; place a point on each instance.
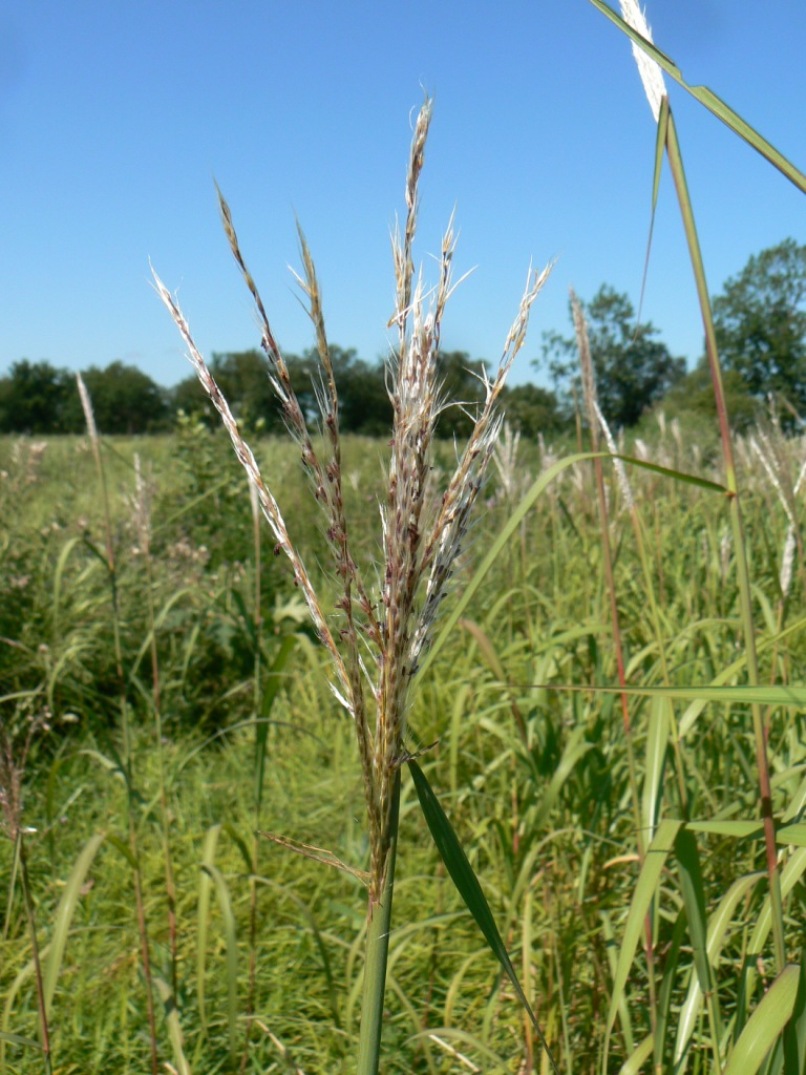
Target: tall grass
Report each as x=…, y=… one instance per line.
x=375, y=642
x=620, y=661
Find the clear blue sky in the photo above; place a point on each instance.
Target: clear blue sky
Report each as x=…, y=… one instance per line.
x=115, y=118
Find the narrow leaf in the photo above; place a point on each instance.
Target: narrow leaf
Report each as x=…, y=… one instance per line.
x=795, y=1030
x=225, y=905
x=174, y=1029
x=718, y=926
x=203, y=918
x=710, y=100
x=660, y=722
x=761, y=1031
x=467, y=884
x=64, y=915
x=645, y=889
x=634, y=1064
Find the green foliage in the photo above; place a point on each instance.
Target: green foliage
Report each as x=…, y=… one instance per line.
x=760, y=322
x=33, y=398
x=691, y=400
x=633, y=369
x=531, y=410
x=533, y=777
x=125, y=401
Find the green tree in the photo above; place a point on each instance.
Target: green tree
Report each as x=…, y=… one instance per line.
x=33, y=398
x=365, y=405
x=633, y=369
x=124, y=400
x=760, y=323
x=459, y=380
x=243, y=377
x=531, y=410
x=693, y=398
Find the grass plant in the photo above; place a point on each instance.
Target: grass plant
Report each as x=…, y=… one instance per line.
x=380, y=642
x=593, y=715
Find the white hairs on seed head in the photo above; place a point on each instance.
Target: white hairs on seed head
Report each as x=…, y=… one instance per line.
x=650, y=72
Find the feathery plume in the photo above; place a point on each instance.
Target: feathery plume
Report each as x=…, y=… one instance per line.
x=651, y=74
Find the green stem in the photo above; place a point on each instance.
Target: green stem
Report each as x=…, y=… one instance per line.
x=44, y=1030
x=379, y=918
x=742, y=570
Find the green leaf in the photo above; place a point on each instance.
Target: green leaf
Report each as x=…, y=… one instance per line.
x=792, y=834
x=795, y=1030
x=718, y=926
x=693, y=891
x=467, y=884
x=225, y=905
x=174, y=1029
x=269, y=693
x=736, y=830
x=645, y=890
x=203, y=918
x=660, y=723
x=763, y=1027
x=709, y=100
x=64, y=916
x=633, y=1065
x=18, y=1039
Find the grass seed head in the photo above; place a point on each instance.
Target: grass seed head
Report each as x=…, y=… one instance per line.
x=375, y=642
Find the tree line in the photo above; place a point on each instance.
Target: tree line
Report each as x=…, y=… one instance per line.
x=760, y=320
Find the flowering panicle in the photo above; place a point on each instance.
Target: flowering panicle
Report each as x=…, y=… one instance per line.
x=376, y=640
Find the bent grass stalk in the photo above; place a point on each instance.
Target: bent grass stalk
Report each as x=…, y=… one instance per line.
x=375, y=643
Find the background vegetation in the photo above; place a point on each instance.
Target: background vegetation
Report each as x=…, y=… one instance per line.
x=537, y=781
x=760, y=319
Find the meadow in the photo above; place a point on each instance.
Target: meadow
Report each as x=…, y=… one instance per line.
x=260, y=944
x=552, y=699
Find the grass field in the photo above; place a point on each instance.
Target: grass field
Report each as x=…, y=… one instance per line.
x=213, y=772
x=540, y=775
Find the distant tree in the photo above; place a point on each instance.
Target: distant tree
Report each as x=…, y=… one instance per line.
x=365, y=406
x=243, y=377
x=458, y=379
x=33, y=398
x=124, y=400
x=531, y=410
x=760, y=323
x=633, y=369
x=693, y=397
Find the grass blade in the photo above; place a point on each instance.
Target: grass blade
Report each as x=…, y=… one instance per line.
x=718, y=926
x=64, y=915
x=765, y=1024
x=203, y=918
x=721, y=109
x=691, y=883
x=645, y=889
x=225, y=905
x=795, y=1030
x=174, y=1029
x=467, y=884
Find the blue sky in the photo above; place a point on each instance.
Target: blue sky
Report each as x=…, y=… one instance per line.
x=115, y=119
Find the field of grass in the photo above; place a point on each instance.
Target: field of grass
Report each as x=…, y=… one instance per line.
x=585, y=780
x=540, y=774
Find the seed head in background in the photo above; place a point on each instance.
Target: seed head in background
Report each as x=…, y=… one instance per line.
x=376, y=639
